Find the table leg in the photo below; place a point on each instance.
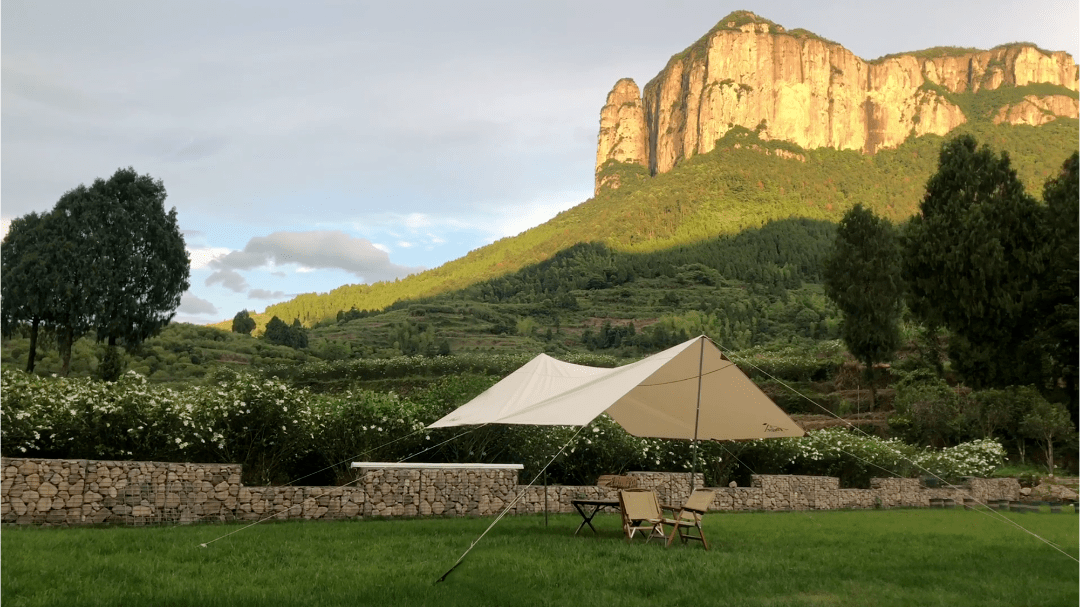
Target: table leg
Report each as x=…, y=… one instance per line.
x=586, y=518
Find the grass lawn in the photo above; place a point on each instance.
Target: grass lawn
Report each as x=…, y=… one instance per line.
x=890, y=557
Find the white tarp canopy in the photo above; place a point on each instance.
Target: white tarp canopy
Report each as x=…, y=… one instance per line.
x=654, y=397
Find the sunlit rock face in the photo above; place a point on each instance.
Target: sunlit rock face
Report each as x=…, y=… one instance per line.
x=795, y=86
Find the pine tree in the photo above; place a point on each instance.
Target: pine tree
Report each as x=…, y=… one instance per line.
x=1058, y=331
x=862, y=276
x=972, y=262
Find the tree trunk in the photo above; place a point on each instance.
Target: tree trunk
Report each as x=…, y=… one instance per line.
x=33, y=345
x=66, y=339
x=873, y=385
x=1050, y=455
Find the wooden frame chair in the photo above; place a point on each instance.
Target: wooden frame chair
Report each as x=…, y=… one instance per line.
x=690, y=515
x=641, y=513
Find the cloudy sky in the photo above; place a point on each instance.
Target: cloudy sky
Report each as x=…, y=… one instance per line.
x=306, y=145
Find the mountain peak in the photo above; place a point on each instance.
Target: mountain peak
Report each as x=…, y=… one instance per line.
x=794, y=86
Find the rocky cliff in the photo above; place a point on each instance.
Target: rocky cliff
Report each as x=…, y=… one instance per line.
x=798, y=87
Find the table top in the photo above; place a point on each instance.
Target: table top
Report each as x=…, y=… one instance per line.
x=595, y=502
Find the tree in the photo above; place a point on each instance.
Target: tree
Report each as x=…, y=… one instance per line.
x=131, y=259
x=298, y=334
x=989, y=412
x=1046, y=422
x=927, y=410
x=71, y=279
x=27, y=263
x=243, y=323
x=862, y=276
x=972, y=261
x=277, y=332
x=1058, y=331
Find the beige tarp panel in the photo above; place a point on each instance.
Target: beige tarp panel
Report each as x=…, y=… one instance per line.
x=656, y=397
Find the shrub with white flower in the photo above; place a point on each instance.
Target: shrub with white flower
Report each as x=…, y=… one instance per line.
x=280, y=432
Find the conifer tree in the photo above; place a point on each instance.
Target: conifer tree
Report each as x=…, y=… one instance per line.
x=1058, y=331
x=973, y=257
x=862, y=276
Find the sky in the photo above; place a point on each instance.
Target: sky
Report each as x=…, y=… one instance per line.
x=307, y=145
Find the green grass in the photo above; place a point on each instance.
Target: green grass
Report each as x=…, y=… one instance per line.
x=893, y=557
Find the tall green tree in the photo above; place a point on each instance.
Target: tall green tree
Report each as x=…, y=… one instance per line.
x=139, y=266
x=277, y=332
x=26, y=264
x=1058, y=331
x=72, y=280
x=243, y=323
x=973, y=257
x=862, y=276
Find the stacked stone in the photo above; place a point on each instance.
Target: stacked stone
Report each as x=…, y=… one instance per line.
x=40, y=491
x=787, y=492
x=856, y=498
x=559, y=497
x=449, y=492
x=738, y=499
x=899, y=492
x=46, y=492
x=986, y=489
x=281, y=503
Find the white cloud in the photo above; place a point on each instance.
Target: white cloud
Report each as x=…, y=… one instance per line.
x=404, y=245
x=264, y=294
x=230, y=279
x=415, y=221
x=313, y=250
x=190, y=304
x=381, y=247
x=202, y=256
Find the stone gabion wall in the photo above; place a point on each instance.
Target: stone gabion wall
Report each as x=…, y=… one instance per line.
x=452, y=492
x=72, y=492
x=280, y=503
x=37, y=491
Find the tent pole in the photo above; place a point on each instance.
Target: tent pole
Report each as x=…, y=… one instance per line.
x=545, y=498
x=697, y=414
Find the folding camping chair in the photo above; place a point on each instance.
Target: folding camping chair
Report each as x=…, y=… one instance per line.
x=641, y=512
x=690, y=515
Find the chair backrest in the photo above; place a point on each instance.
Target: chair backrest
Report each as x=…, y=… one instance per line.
x=640, y=505
x=699, y=500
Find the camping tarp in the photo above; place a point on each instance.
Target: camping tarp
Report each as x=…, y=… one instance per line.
x=654, y=397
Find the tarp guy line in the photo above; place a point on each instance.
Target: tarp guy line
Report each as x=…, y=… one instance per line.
x=989, y=512
x=511, y=505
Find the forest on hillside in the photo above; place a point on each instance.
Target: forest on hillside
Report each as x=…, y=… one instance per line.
x=742, y=184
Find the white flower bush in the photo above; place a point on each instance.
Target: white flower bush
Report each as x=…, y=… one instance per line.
x=280, y=433
x=839, y=452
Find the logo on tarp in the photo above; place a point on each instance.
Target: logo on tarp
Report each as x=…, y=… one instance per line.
x=769, y=428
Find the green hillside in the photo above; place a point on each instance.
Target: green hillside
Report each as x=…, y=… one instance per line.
x=752, y=289
x=737, y=186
